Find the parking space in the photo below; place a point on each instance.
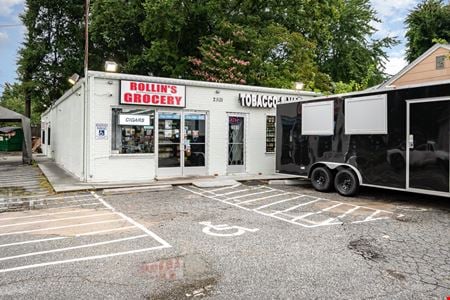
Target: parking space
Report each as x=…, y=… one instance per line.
x=59, y=230
x=293, y=207
x=249, y=241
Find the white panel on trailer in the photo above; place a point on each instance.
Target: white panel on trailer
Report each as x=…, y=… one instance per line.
x=366, y=115
x=318, y=118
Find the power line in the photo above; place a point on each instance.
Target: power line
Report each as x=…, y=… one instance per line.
x=9, y=25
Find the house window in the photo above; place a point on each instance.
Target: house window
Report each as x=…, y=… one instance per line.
x=270, y=134
x=133, y=131
x=366, y=115
x=318, y=118
x=440, y=62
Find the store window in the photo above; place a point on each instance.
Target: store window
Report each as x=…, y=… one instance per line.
x=133, y=131
x=270, y=134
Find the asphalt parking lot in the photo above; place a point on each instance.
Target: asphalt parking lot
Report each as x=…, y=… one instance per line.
x=250, y=241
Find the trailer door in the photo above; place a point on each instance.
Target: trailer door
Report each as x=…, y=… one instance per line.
x=427, y=153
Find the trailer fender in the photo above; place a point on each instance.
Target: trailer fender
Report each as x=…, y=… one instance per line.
x=334, y=165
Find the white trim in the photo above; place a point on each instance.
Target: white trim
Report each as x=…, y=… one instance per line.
x=121, y=76
x=327, y=111
x=413, y=64
x=381, y=99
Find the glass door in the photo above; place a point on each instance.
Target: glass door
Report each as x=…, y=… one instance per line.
x=169, y=144
x=428, y=145
x=194, y=144
x=236, y=142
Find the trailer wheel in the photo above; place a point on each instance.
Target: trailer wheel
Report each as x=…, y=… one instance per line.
x=322, y=179
x=346, y=183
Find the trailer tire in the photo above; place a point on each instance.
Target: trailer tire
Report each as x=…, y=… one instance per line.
x=322, y=179
x=346, y=183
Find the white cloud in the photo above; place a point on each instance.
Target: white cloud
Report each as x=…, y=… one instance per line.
x=391, y=8
x=394, y=64
x=3, y=37
x=6, y=6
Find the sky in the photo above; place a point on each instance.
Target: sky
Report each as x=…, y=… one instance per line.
x=391, y=13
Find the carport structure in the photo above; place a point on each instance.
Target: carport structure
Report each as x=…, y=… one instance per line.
x=7, y=115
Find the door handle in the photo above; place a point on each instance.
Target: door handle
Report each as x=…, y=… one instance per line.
x=411, y=141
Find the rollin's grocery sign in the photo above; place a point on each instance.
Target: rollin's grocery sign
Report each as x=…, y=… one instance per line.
x=152, y=94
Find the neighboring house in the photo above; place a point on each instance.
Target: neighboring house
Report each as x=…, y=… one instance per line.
x=433, y=65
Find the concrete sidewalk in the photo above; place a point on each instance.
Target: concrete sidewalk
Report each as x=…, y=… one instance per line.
x=63, y=181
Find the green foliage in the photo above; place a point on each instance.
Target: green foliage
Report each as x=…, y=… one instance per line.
x=270, y=43
x=428, y=23
x=53, y=48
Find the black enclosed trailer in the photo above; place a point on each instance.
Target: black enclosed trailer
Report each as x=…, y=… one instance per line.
x=394, y=138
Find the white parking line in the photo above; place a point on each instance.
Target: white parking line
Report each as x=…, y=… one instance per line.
x=292, y=219
x=66, y=237
x=299, y=205
x=45, y=215
x=277, y=202
x=56, y=220
x=111, y=211
x=247, y=195
x=73, y=248
x=61, y=227
x=81, y=259
x=263, y=198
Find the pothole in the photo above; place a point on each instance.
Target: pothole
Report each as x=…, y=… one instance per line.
x=366, y=249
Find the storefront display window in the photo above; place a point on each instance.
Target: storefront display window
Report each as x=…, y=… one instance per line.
x=270, y=134
x=133, y=131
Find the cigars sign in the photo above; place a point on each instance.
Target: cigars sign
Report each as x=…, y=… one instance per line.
x=152, y=94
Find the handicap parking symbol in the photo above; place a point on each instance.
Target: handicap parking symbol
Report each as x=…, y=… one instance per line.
x=223, y=230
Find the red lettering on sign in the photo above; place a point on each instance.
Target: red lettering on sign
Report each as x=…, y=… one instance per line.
x=173, y=89
x=164, y=89
x=178, y=100
x=170, y=100
x=163, y=100
x=146, y=98
x=127, y=97
x=137, y=98
x=155, y=99
x=133, y=86
x=141, y=87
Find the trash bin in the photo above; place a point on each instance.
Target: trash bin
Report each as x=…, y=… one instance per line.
x=11, y=139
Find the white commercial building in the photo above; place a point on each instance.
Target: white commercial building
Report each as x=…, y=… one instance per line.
x=141, y=128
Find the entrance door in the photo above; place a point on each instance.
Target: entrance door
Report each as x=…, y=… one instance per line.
x=181, y=152
x=194, y=144
x=236, y=144
x=428, y=145
x=169, y=144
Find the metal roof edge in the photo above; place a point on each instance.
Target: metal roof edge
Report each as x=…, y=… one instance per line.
x=119, y=76
x=378, y=91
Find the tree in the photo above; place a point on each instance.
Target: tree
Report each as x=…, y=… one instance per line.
x=115, y=33
x=427, y=23
x=351, y=51
x=53, y=48
x=265, y=55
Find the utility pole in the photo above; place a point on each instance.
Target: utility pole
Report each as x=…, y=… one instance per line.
x=86, y=37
